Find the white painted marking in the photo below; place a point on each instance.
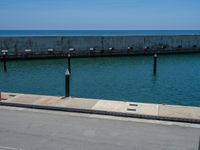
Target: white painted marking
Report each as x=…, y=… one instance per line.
x=8, y=148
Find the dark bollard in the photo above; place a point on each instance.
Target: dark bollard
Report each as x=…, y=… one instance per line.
x=155, y=64
x=4, y=62
x=67, y=83
x=0, y=94
x=69, y=63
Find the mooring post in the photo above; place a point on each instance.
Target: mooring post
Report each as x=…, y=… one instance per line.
x=4, y=62
x=155, y=64
x=67, y=83
x=69, y=63
x=0, y=94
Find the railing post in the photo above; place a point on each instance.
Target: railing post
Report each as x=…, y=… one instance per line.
x=67, y=83
x=155, y=64
x=4, y=62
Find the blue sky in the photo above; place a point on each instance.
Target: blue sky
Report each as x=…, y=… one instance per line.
x=100, y=14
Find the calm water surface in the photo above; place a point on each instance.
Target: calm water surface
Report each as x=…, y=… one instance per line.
x=115, y=78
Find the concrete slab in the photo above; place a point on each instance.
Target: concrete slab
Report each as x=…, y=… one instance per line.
x=110, y=106
x=9, y=96
x=26, y=99
x=79, y=103
x=131, y=108
x=47, y=100
x=62, y=102
x=179, y=111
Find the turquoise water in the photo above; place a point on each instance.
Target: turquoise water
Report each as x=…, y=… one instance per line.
x=95, y=32
x=115, y=78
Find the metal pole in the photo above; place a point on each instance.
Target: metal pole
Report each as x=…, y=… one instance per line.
x=155, y=64
x=67, y=83
x=4, y=62
x=69, y=63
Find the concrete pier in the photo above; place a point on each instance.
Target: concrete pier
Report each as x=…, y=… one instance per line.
x=105, y=107
x=94, y=46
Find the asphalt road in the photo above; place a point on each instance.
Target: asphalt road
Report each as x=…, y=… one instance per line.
x=22, y=129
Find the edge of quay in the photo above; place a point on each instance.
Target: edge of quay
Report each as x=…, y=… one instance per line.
x=103, y=107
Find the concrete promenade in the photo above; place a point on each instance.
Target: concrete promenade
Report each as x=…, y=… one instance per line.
x=115, y=108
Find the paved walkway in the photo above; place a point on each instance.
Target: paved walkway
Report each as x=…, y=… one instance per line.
x=128, y=108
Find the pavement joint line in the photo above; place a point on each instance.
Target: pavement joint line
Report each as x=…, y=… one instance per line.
x=133, y=104
x=101, y=112
x=130, y=109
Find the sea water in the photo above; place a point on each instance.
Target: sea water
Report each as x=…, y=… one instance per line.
x=96, y=32
x=177, y=80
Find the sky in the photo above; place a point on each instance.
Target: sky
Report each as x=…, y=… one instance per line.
x=100, y=14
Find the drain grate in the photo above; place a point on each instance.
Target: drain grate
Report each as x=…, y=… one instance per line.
x=12, y=95
x=129, y=109
x=133, y=104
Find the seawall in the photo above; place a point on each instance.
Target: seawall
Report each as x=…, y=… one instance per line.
x=60, y=46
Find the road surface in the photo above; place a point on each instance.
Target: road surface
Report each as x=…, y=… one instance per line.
x=26, y=129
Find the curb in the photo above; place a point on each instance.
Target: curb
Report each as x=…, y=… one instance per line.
x=100, y=112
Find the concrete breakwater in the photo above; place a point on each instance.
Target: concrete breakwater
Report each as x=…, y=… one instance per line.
x=60, y=46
